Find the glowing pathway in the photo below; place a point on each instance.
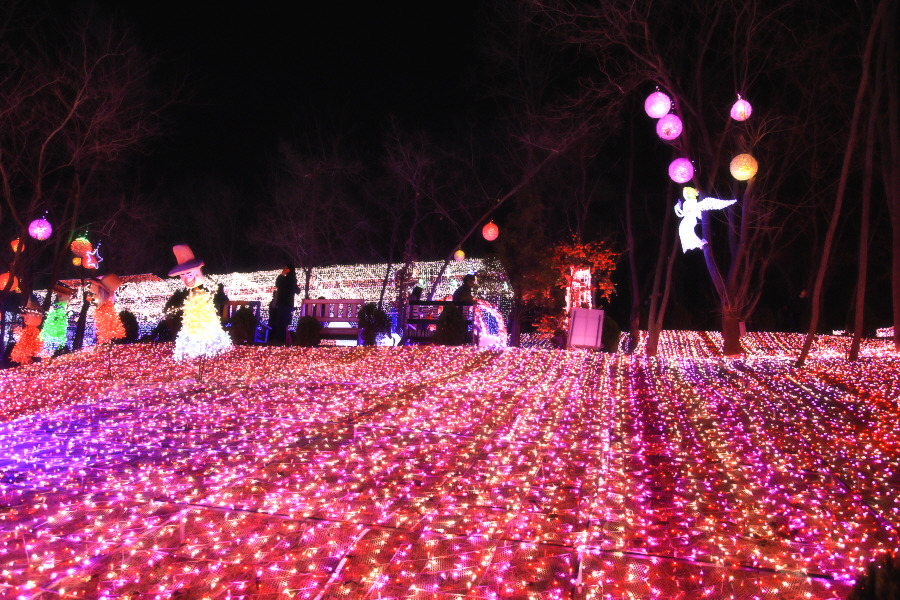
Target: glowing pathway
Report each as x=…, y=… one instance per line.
x=447, y=473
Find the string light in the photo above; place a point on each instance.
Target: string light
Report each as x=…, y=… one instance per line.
x=446, y=472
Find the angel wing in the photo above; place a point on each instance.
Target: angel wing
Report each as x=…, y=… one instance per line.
x=713, y=204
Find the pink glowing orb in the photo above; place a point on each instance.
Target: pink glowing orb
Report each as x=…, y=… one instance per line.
x=459, y=256
x=40, y=229
x=669, y=127
x=490, y=232
x=681, y=170
x=657, y=105
x=741, y=110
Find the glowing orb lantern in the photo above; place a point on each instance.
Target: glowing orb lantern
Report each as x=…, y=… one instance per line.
x=669, y=127
x=490, y=232
x=76, y=260
x=741, y=110
x=40, y=229
x=657, y=105
x=743, y=167
x=459, y=256
x=681, y=170
x=4, y=280
x=16, y=244
x=80, y=246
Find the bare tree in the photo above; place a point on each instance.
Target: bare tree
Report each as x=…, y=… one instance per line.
x=735, y=47
x=313, y=217
x=76, y=101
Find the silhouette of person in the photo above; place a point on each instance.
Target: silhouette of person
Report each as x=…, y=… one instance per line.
x=283, y=303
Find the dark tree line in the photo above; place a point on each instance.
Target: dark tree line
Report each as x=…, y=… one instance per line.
x=553, y=146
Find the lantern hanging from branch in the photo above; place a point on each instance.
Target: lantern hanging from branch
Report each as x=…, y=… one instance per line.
x=76, y=260
x=17, y=245
x=741, y=110
x=743, y=167
x=681, y=170
x=490, y=232
x=459, y=256
x=669, y=127
x=40, y=229
x=4, y=280
x=657, y=105
x=80, y=246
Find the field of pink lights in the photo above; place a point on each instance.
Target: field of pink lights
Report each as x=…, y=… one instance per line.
x=449, y=472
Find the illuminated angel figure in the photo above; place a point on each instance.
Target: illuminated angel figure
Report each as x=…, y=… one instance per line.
x=690, y=212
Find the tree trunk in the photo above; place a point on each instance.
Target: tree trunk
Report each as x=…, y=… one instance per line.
x=634, y=320
x=891, y=150
x=863, y=259
x=654, y=323
x=731, y=335
x=816, y=300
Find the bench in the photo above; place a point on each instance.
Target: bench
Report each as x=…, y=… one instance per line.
x=330, y=313
x=422, y=318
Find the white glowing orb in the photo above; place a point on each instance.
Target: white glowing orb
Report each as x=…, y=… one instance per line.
x=741, y=110
x=669, y=127
x=657, y=105
x=743, y=167
x=681, y=170
x=40, y=229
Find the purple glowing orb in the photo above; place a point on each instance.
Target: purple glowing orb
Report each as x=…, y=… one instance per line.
x=657, y=105
x=681, y=170
x=669, y=127
x=40, y=229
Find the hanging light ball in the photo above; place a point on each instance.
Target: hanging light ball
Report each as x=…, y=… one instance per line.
x=16, y=244
x=4, y=279
x=459, y=256
x=40, y=229
x=669, y=127
x=490, y=232
x=657, y=105
x=80, y=246
x=741, y=110
x=681, y=170
x=76, y=260
x=743, y=167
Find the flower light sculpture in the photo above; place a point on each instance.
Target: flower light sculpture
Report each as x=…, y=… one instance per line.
x=743, y=167
x=681, y=170
x=490, y=232
x=657, y=105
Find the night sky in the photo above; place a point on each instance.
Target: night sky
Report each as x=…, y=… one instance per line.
x=265, y=71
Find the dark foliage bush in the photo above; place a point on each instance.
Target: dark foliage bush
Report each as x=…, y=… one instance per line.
x=372, y=322
x=309, y=332
x=130, y=323
x=881, y=581
x=451, y=329
x=611, y=334
x=242, y=326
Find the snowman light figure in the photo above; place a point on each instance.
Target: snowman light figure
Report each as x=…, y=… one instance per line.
x=201, y=332
x=690, y=212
